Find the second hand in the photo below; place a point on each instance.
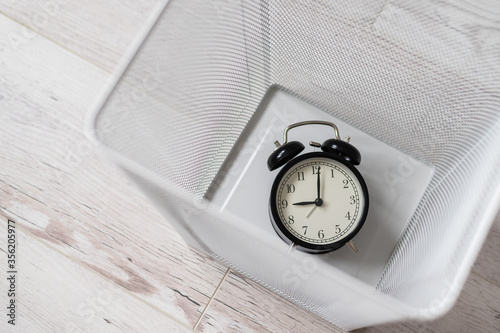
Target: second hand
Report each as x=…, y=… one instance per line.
x=312, y=210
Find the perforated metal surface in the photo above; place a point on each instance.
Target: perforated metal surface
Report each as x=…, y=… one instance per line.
x=423, y=77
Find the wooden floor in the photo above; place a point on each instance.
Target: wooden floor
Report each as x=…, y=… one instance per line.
x=93, y=255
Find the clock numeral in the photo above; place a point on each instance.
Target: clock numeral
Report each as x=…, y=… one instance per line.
x=321, y=235
x=316, y=169
x=348, y=215
x=337, y=228
x=290, y=188
x=353, y=200
x=346, y=182
x=332, y=174
x=284, y=203
x=300, y=175
x=291, y=219
x=304, y=228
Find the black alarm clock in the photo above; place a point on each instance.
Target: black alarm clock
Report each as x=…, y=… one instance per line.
x=319, y=200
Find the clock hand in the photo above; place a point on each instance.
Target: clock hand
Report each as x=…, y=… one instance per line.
x=304, y=203
x=318, y=183
x=312, y=210
x=317, y=202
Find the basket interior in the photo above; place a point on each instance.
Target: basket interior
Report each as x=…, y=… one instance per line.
x=419, y=77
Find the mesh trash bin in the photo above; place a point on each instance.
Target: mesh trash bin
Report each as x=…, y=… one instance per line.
x=210, y=85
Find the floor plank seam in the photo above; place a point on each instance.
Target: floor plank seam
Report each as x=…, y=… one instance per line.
x=202, y=315
x=487, y=280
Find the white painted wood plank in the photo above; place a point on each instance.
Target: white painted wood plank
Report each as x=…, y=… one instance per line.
x=99, y=31
x=244, y=306
x=487, y=264
x=56, y=186
x=55, y=294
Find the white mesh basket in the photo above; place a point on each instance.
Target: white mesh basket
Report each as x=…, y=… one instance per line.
x=414, y=79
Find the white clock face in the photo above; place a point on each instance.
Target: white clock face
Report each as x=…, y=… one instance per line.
x=325, y=217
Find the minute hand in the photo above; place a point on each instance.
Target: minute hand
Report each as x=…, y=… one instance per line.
x=318, y=183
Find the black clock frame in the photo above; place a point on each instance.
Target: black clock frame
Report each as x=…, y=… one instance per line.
x=286, y=235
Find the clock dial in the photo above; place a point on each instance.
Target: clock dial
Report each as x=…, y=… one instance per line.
x=320, y=201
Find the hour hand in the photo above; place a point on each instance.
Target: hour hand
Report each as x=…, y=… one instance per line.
x=303, y=203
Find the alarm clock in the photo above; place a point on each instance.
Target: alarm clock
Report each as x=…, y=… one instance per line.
x=319, y=200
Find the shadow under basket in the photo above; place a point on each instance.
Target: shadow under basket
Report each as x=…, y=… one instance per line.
x=210, y=85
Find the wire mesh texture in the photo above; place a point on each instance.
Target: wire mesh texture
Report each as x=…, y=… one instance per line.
x=420, y=76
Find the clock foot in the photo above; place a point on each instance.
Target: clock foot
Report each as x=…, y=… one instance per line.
x=292, y=247
x=352, y=246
